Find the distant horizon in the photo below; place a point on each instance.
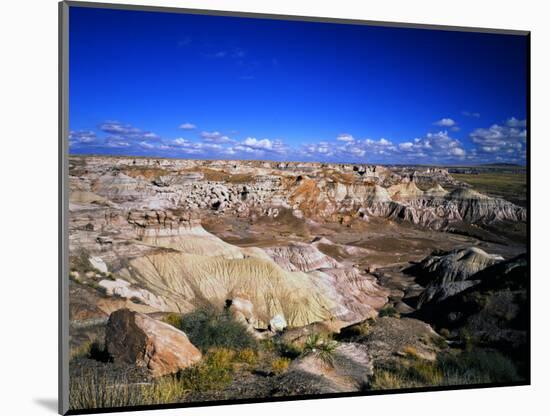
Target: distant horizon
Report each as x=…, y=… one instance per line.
x=160, y=84
x=129, y=156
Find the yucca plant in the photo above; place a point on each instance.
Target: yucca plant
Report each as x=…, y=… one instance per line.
x=321, y=347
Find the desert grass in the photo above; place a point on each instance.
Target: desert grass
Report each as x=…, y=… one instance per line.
x=95, y=388
x=449, y=369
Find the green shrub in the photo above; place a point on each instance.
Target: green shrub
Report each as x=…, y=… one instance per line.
x=208, y=328
x=389, y=311
x=173, y=319
x=213, y=373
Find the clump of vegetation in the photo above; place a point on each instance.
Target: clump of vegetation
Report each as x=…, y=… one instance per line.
x=288, y=350
x=445, y=333
x=211, y=328
x=449, y=369
x=80, y=262
x=214, y=372
x=93, y=349
x=355, y=331
x=389, y=311
x=280, y=365
x=81, y=351
x=173, y=319
x=248, y=356
x=321, y=347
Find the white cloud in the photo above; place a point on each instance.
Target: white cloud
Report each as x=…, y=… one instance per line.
x=215, y=136
x=187, y=126
x=146, y=145
x=345, y=138
x=502, y=138
x=514, y=122
x=126, y=132
x=407, y=146
x=457, y=151
x=263, y=145
x=82, y=137
x=445, y=122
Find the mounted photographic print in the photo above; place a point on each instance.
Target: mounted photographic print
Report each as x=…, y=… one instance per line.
x=262, y=208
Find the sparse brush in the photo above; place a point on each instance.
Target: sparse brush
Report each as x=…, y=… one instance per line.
x=94, y=390
x=450, y=369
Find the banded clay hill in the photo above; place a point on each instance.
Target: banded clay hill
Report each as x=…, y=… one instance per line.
x=293, y=278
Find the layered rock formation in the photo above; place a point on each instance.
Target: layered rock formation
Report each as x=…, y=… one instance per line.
x=315, y=190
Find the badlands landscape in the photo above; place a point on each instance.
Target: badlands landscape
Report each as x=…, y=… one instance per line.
x=195, y=280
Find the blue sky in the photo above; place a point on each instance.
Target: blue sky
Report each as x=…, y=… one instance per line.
x=212, y=87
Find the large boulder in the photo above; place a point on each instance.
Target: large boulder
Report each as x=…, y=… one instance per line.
x=135, y=338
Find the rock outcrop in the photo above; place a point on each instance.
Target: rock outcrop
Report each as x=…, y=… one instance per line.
x=135, y=338
x=494, y=312
x=445, y=274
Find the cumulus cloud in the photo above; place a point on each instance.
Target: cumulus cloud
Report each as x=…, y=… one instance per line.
x=321, y=149
x=432, y=147
x=262, y=145
x=407, y=146
x=508, y=139
x=187, y=126
x=189, y=147
x=445, y=122
x=215, y=136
